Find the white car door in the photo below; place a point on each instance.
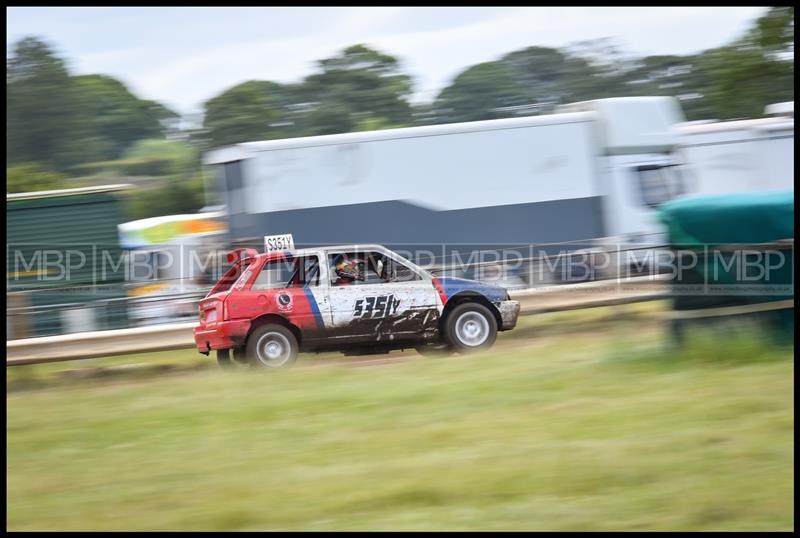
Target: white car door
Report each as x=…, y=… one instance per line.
x=380, y=308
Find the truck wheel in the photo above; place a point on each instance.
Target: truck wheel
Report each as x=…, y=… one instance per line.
x=470, y=327
x=224, y=359
x=272, y=346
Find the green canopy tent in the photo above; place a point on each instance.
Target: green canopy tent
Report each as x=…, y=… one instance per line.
x=733, y=252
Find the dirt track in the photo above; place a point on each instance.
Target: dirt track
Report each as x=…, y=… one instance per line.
x=533, y=333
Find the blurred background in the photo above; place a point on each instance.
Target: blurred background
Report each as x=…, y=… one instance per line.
x=143, y=121
x=143, y=144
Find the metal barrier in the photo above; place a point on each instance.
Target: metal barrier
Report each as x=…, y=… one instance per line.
x=555, y=296
x=88, y=345
x=78, y=346
x=25, y=318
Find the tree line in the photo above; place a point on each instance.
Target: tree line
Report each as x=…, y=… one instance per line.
x=66, y=130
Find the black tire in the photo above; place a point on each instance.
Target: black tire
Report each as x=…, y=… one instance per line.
x=285, y=347
x=240, y=355
x=434, y=350
x=470, y=327
x=224, y=359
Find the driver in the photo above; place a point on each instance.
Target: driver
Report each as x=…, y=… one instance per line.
x=349, y=270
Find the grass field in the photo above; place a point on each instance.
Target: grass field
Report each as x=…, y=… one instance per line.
x=607, y=428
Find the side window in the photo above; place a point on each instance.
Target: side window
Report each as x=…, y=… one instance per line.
x=234, y=187
x=377, y=268
x=275, y=274
x=305, y=272
x=658, y=184
x=355, y=268
x=402, y=273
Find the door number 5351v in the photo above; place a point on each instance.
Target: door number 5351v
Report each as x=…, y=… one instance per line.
x=376, y=307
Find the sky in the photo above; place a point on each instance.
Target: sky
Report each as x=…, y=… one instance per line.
x=183, y=56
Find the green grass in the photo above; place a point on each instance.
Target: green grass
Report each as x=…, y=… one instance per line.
x=609, y=428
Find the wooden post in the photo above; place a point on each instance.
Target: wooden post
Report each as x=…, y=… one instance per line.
x=18, y=322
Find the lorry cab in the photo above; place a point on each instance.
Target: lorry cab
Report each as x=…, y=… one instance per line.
x=641, y=161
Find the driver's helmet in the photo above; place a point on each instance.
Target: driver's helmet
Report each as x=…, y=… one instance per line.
x=350, y=268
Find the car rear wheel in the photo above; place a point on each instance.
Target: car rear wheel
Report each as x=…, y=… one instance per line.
x=240, y=355
x=224, y=359
x=272, y=347
x=470, y=327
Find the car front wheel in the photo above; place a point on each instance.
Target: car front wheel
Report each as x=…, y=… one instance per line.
x=470, y=327
x=272, y=346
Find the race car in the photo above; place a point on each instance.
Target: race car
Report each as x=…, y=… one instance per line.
x=356, y=299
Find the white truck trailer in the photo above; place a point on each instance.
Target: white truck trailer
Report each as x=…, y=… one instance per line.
x=744, y=155
x=595, y=170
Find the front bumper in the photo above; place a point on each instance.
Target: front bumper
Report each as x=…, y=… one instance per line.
x=509, y=312
x=222, y=335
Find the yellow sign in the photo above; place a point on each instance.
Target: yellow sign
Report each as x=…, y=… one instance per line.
x=147, y=290
x=32, y=272
x=167, y=231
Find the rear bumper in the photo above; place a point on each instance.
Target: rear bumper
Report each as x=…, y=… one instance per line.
x=509, y=312
x=223, y=335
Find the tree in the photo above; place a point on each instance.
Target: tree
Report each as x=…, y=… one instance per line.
x=162, y=157
x=744, y=82
x=66, y=121
x=32, y=177
x=756, y=69
x=552, y=77
x=357, y=89
x=774, y=31
x=42, y=107
x=330, y=118
x=176, y=167
x=734, y=81
x=113, y=118
x=360, y=83
x=482, y=92
x=179, y=196
x=253, y=110
x=684, y=77
x=534, y=80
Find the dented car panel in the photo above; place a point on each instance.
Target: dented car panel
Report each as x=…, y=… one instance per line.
x=451, y=286
x=509, y=312
x=328, y=315
x=225, y=335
